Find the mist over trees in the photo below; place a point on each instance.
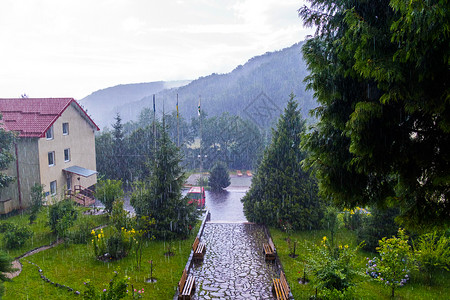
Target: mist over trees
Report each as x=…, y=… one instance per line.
x=124, y=153
x=275, y=74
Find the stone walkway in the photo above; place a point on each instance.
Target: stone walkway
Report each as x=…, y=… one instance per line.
x=234, y=266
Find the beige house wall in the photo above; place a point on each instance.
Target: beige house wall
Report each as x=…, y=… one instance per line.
x=80, y=141
x=28, y=166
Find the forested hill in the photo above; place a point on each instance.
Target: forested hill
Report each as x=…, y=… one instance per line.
x=103, y=104
x=265, y=80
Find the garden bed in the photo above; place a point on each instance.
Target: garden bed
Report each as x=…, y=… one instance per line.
x=73, y=264
x=365, y=289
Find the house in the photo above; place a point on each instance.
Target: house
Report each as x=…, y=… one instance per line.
x=55, y=147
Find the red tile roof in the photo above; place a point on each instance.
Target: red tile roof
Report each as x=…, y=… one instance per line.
x=32, y=117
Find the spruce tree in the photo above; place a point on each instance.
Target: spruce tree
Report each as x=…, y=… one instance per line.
x=159, y=196
x=6, y=144
x=219, y=178
x=119, y=160
x=282, y=194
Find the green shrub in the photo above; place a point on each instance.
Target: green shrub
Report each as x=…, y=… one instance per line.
x=62, y=216
x=108, y=191
x=5, y=267
x=353, y=218
x=6, y=226
x=380, y=223
x=81, y=234
x=115, y=246
x=119, y=217
x=37, y=195
x=432, y=252
x=395, y=261
x=17, y=237
x=117, y=288
x=334, y=269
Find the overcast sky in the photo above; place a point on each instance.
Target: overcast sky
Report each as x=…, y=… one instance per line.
x=65, y=48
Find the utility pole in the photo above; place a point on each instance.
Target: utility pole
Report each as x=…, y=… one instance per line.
x=201, y=156
x=178, y=126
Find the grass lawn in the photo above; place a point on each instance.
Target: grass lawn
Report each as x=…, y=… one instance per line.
x=365, y=289
x=73, y=264
x=42, y=234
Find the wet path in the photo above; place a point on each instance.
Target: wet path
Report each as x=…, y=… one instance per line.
x=234, y=266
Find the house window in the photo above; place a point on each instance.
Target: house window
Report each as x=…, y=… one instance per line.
x=65, y=128
x=51, y=158
x=49, y=133
x=67, y=155
x=53, y=188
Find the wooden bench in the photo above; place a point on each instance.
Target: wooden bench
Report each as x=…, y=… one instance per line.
x=186, y=286
x=199, y=249
x=280, y=288
x=269, y=250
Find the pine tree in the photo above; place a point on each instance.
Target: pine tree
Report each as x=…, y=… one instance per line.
x=119, y=166
x=380, y=72
x=282, y=194
x=6, y=144
x=219, y=177
x=160, y=197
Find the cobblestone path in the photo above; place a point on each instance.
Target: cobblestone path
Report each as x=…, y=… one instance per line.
x=234, y=266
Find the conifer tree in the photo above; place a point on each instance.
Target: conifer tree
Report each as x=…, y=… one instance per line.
x=282, y=194
x=119, y=160
x=159, y=197
x=219, y=177
x=380, y=72
x=6, y=144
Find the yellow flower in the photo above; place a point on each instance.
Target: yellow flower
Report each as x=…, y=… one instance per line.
x=93, y=232
x=352, y=212
x=99, y=236
x=324, y=238
x=340, y=246
x=346, y=246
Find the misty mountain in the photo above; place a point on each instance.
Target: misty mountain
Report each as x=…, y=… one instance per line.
x=102, y=105
x=258, y=90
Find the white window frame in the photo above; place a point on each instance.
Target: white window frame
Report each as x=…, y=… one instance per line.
x=68, y=155
x=53, y=187
x=49, y=133
x=52, y=153
x=67, y=128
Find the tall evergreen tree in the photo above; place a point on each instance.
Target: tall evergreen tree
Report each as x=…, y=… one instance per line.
x=380, y=71
x=160, y=197
x=282, y=193
x=104, y=154
x=120, y=157
x=219, y=178
x=6, y=145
